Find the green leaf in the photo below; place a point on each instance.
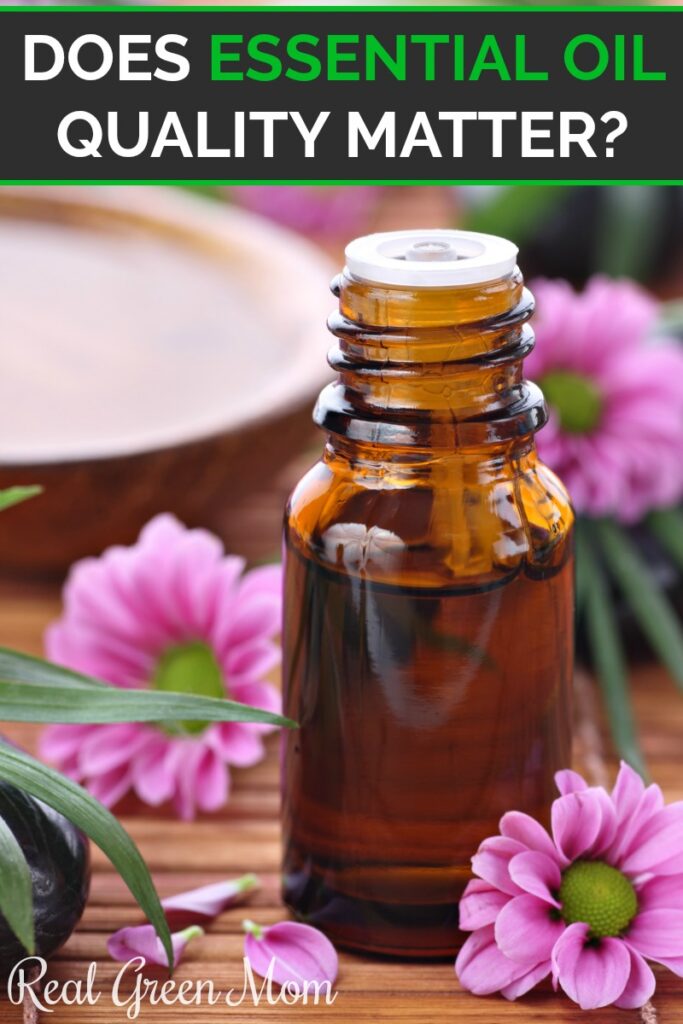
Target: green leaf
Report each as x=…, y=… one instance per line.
x=96, y=821
x=516, y=211
x=16, y=667
x=667, y=526
x=607, y=654
x=15, y=495
x=628, y=227
x=33, y=690
x=654, y=613
x=16, y=888
x=33, y=702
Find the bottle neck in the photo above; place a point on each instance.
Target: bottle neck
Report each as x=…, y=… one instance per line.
x=431, y=371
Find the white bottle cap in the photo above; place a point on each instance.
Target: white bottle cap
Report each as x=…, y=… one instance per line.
x=430, y=259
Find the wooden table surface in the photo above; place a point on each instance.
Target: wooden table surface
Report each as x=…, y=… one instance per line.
x=245, y=837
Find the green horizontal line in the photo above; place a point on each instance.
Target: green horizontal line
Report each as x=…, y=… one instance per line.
x=341, y=181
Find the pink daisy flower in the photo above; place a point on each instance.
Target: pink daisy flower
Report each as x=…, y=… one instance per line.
x=588, y=906
x=172, y=612
x=615, y=396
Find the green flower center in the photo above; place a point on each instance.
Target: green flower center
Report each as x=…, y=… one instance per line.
x=189, y=668
x=597, y=895
x=575, y=399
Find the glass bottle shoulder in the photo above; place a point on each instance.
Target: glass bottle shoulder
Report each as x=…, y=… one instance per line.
x=456, y=521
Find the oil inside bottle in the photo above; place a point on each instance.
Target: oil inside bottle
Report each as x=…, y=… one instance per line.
x=423, y=721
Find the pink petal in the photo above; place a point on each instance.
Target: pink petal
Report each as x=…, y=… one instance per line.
x=237, y=743
x=152, y=780
x=568, y=781
x=112, y=786
x=584, y=822
x=110, y=746
x=182, y=761
x=632, y=828
x=672, y=963
x=258, y=617
x=592, y=976
x=536, y=874
x=259, y=695
x=527, y=981
x=252, y=660
x=665, y=892
x=627, y=793
x=481, y=968
x=658, y=846
x=525, y=931
x=479, y=905
x=208, y=901
x=211, y=781
x=201, y=778
x=266, y=579
x=298, y=952
x=143, y=941
x=657, y=933
x=526, y=830
x=60, y=742
x=640, y=986
x=491, y=862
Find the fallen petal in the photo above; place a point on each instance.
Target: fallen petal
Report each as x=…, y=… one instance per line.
x=208, y=901
x=142, y=940
x=299, y=954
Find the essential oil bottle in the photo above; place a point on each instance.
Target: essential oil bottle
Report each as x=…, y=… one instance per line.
x=428, y=631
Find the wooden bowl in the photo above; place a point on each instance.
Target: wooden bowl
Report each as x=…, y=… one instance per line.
x=159, y=351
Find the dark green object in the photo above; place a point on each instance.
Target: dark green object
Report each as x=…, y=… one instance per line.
x=596, y=611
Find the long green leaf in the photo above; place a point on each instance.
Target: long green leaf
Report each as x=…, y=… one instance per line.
x=50, y=693
x=96, y=821
x=607, y=654
x=651, y=608
x=16, y=667
x=33, y=702
x=15, y=495
x=667, y=526
x=16, y=888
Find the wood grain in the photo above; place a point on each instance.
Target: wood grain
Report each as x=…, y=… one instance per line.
x=244, y=837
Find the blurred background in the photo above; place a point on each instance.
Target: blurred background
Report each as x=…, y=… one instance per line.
x=161, y=349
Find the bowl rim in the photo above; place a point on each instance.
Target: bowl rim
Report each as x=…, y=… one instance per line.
x=196, y=220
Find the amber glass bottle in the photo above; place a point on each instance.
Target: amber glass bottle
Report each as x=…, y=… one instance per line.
x=428, y=597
